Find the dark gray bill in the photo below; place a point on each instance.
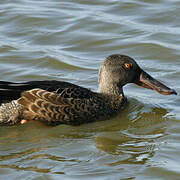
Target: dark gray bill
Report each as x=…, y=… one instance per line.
x=146, y=81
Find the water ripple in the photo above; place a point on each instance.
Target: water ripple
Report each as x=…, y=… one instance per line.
x=68, y=40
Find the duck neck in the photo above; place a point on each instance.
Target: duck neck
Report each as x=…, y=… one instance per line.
x=113, y=95
x=111, y=90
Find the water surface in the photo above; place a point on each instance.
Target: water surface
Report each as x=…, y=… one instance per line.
x=68, y=40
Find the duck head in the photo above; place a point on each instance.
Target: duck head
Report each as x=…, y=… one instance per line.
x=118, y=70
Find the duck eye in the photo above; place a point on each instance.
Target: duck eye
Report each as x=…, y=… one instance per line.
x=127, y=65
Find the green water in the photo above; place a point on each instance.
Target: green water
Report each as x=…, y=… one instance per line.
x=68, y=40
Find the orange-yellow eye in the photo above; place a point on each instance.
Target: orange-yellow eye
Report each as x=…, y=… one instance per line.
x=127, y=65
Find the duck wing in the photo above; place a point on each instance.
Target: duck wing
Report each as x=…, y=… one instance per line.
x=70, y=105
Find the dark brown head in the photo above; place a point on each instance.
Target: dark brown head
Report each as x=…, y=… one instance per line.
x=118, y=70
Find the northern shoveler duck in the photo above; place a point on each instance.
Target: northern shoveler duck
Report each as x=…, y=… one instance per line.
x=58, y=102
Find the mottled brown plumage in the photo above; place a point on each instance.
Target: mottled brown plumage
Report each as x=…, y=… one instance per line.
x=68, y=106
x=57, y=102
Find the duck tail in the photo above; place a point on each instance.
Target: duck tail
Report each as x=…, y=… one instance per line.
x=10, y=91
x=11, y=113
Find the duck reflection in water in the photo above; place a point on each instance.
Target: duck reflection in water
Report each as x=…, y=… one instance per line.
x=133, y=138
